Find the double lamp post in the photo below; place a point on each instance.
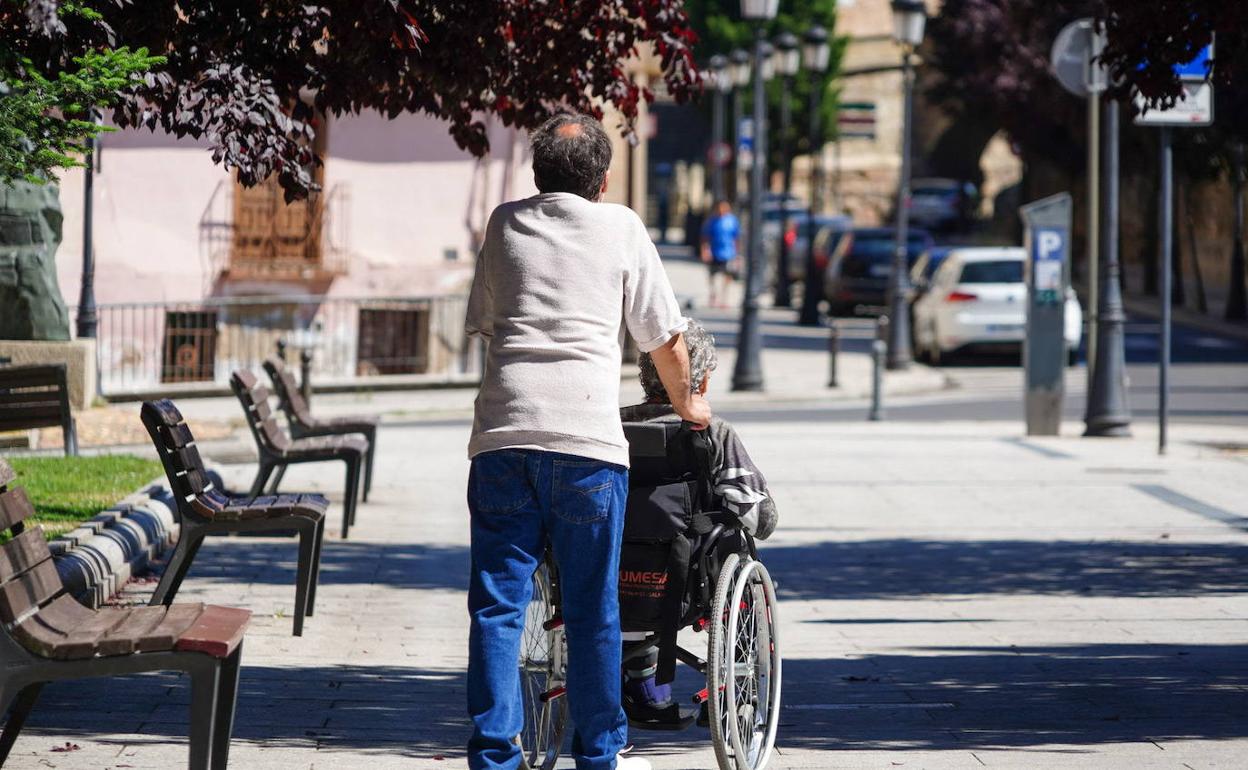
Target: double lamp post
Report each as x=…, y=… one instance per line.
x=731, y=78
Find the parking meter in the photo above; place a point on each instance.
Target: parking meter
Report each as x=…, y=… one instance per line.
x=1047, y=241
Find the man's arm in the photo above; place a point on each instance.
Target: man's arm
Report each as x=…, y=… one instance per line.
x=672, y=362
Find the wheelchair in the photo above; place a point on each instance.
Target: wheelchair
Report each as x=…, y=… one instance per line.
x=724, y=591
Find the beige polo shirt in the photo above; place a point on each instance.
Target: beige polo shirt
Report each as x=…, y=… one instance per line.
x=558, y=280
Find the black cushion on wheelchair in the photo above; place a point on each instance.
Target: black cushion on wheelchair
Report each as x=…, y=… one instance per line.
x=661, y=452
x=658, y=513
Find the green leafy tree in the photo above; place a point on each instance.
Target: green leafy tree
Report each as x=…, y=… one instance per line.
x=49, y=82
x=720, y=29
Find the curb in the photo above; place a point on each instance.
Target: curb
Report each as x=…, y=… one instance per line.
x=1148, y=307
x=99, y=557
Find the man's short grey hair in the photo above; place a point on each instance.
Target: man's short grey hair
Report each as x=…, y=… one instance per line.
x=702, y=361
x=571, y=153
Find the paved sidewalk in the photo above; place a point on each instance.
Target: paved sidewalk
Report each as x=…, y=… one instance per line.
x=952, y=596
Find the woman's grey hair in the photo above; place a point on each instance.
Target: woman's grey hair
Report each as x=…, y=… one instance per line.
x=702, y=361
x=571, y=153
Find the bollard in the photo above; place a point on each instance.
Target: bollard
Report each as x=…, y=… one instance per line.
x=881, y=328
x=305, y=380
x=878, y=352
x=281, y=349
x=834, y=349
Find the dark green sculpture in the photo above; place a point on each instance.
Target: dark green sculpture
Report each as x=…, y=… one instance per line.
x=31, y=306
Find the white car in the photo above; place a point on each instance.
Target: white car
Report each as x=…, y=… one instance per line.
x=977, y=300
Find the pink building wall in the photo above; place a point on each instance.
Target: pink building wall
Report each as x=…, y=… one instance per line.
x=411, y=197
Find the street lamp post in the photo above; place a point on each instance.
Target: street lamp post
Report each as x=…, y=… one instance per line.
x=909, y=17
x=718, y=69
x=739, y=66
x=747, y=373
x=787, y=61
x=815, y=55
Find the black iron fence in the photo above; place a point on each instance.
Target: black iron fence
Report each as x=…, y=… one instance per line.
x=169, y=346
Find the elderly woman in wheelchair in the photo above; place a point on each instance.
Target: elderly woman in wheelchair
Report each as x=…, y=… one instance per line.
x=696, y=506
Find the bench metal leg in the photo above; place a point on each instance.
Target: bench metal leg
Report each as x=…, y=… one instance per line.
x=316, y=565
x=21, y=709
x=303, y=573
x=227, y=702
x=262, y=477
x=368, y=463
x=204, y=704
x=175, y=571
x=277, y=479
x=348, y=499
x=355, y=467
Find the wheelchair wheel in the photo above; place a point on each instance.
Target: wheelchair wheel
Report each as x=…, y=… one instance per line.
x=543, y=661
x=744, y=667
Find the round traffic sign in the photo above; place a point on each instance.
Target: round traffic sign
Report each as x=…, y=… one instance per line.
x=1071, y=58
x=719, y=154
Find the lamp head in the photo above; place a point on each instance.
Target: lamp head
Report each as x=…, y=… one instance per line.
x=909, y=18
x=759, y=10
x=787, y=57
x=816, y=51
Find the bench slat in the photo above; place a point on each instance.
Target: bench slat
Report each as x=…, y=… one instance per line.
x=177, y=621
x=31, y=376
x=22, y=553
x=14, y=507
x=198, y=481
x=176, y=436
x=46, y=632
x=82, y=638
x=6, y=473
x=263, y=410
x=187, y=458
x=165, y=410
x=16, y=398
x=30, y=589
x=138, y=623
x=217, y=632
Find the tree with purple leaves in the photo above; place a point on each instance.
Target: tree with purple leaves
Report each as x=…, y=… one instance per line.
x=251, y=78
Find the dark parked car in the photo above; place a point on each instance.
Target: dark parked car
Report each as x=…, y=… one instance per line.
x=943, y=204
x=797, y=236
x=857, y=277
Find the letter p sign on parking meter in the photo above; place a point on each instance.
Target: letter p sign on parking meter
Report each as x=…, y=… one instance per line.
x=1048, y=276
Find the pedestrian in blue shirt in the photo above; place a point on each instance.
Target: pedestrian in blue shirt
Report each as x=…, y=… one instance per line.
x=721, y=237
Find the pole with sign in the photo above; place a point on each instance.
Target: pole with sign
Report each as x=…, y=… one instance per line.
x=1047, y=241
x=1193, y=108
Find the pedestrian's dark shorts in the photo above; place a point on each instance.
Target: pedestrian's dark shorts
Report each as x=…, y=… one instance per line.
x=716, y=267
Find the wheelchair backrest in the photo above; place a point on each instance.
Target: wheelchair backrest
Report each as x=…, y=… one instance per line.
x=665, y=452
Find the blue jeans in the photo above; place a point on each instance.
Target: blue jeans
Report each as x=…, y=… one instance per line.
x=520, y=499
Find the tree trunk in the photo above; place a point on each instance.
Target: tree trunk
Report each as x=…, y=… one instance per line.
x=1236, y=301
x=1178, y=294
x=1202, y=302
x=1151, y=252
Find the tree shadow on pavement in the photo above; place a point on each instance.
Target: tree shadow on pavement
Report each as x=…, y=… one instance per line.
x=271, y=561
x=1017, y=697
x=381, y=710
x=905, y=568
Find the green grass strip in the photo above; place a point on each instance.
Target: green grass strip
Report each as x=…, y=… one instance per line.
x=68, y=490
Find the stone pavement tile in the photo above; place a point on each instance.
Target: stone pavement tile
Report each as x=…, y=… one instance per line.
x=940, y=607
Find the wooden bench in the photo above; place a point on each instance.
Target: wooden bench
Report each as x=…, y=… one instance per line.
x=277, y=449
x=48, y=636
x=206, y=510
x=37, y=397
x=302, y=424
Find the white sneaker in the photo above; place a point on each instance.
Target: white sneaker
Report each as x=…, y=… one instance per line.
x=632, y=763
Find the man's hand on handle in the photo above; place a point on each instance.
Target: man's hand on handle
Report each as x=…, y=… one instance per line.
x=697, y=411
